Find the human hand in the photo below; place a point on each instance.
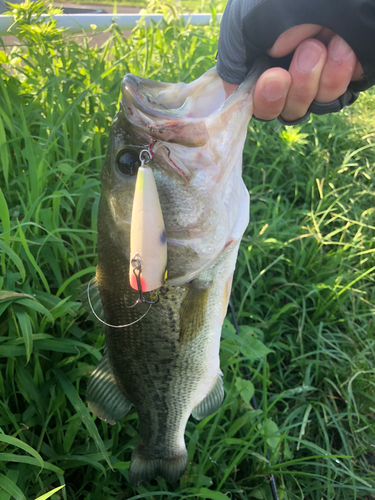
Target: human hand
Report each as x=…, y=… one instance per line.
x=321, y=69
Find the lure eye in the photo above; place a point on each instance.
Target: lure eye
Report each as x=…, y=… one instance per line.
x=128, y=163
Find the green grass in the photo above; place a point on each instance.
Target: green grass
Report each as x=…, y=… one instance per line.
x=303, y=289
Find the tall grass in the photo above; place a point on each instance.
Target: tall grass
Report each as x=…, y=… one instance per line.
x=303, y=289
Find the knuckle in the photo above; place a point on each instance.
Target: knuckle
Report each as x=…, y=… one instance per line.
x=302, y=96
x=331, y=85
x=267, y=112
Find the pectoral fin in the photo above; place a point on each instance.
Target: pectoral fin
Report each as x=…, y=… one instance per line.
x=211, y=402
x=103, y=396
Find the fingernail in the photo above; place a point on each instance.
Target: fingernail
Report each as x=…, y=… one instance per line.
x=308, y=57
x=273, y=90
x=338, y=49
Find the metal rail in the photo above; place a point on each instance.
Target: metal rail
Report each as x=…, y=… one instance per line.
x=77, y=23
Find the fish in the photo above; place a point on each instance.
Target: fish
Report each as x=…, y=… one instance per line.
x=162, y=345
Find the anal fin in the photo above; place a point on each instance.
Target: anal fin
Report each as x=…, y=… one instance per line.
x=103, y=395
x=211, y=402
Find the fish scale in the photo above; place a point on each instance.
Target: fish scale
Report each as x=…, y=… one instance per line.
x=166, y=361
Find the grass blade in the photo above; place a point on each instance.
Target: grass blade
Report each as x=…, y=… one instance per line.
x=50, y=493
x=83, y=412
x=4, y=153
x=32, y=259
x=26, y=329
x=14, y=257
x=23, y=446
x=10, y=487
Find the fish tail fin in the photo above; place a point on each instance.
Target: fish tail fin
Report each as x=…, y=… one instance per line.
x=144, y=468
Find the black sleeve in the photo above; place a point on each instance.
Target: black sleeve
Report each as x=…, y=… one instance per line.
x=250, y=27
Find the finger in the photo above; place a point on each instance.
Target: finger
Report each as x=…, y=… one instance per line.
x=305, y=69
x=338, y=70
x=325, y=35
x=358, y=72
x=291, y=38
x=270, y=93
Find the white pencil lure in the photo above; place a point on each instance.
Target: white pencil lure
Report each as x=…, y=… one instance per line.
x=148, y=242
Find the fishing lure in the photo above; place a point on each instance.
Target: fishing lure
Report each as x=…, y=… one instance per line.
x=148, y=242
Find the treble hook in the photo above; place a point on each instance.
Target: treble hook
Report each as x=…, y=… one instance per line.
x=137, y=270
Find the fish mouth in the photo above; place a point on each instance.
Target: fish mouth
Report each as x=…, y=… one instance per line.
x=173, y=112
x=198, y=100
x=195, y=100
x=167, y=116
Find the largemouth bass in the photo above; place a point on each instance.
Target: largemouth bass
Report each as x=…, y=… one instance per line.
x=165, y=362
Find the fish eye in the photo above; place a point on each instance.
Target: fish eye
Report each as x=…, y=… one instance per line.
x=128, y=162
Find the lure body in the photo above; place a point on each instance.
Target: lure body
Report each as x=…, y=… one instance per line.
x=148, y=244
